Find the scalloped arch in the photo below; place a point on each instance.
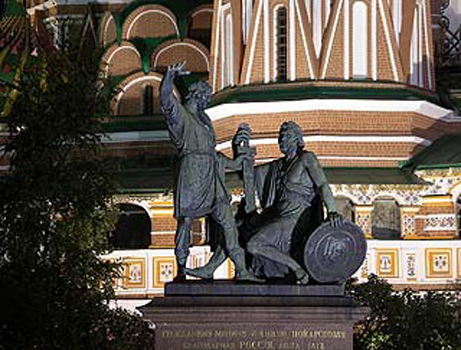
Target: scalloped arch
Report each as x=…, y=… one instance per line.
x=107, y=29
x=127, y=100
x=121, y=59
x=200, y=20
x=195, y=54
x=399, y=199
x=348, y=196
x=150, y=21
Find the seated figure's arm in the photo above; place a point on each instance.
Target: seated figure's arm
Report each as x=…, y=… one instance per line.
x=318, y=175
x=170, y=106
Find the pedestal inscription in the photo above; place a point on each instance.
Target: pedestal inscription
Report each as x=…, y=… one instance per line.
x=251, y=336
x=239, y=323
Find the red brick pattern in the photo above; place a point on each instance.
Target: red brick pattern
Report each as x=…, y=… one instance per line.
x=195, y=54
x=163, y=241
x=346, y=123
x=122, y=60
x=257, y=67
x=150, y=21
x=342, y=123
x=436, y=209
x=384, y=60
x=131, y=96
x=107, y=32
x=200, y=21
x=335, y=63
x=302, y=65
x=163, y=223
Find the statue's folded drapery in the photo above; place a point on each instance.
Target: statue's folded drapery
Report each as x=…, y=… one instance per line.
x=292, y=209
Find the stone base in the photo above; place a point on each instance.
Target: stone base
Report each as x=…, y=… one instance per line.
x=253, y=322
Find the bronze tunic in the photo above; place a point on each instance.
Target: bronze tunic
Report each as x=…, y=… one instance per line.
x=199, y=184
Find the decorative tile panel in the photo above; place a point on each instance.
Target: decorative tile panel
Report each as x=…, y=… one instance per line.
x=438, y=262
x=363, y=218
x=440, y=222
x=442, y=185
x=135, y=273
x=408, y=217
x=410, y=266
x=387, y=263
x=164, y=270
x=409, y=195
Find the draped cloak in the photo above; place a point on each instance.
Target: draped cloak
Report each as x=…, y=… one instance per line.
x=292, y=209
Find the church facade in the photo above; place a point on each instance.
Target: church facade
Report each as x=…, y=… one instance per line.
x=358, y=76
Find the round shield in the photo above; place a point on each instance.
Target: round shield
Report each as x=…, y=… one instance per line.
x=335, y=254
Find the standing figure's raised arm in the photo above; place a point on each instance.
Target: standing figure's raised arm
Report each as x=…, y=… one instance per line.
x=169, y=104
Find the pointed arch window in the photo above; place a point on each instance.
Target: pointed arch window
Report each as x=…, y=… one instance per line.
x=397, y=17
x=317, y=27
x=360, y=41
x=229, y=52
x=416, y=68
x=247, y=10
x=281, y=44
x=147, y=102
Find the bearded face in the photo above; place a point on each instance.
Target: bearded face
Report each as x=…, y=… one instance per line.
x=199, y=95
x=202, y=99
x=288, y=141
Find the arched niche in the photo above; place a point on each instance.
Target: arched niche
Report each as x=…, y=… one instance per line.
x=107, y=29
x=196, y=55
x=385, y=219
x=150, y=21
x=121, y=59
x=132, y=92
x=345, y=207
x=133, y=228
x=199, y=26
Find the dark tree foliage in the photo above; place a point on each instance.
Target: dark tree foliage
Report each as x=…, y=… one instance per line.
x=406, y=320
x=55, y=216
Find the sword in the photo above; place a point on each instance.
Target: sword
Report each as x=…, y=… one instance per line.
x=242, y=146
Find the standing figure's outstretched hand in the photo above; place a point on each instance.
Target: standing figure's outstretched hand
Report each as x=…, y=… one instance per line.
x=176, y=69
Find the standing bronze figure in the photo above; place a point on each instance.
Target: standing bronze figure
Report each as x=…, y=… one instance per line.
x=199, y=186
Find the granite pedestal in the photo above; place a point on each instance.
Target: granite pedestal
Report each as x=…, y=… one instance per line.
x=270, y=317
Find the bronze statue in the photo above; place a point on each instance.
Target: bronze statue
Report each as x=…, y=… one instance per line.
x=291, y=192
x=199, y=186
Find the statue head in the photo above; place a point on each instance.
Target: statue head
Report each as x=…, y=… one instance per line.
x=290, y=138
x=199, y=94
